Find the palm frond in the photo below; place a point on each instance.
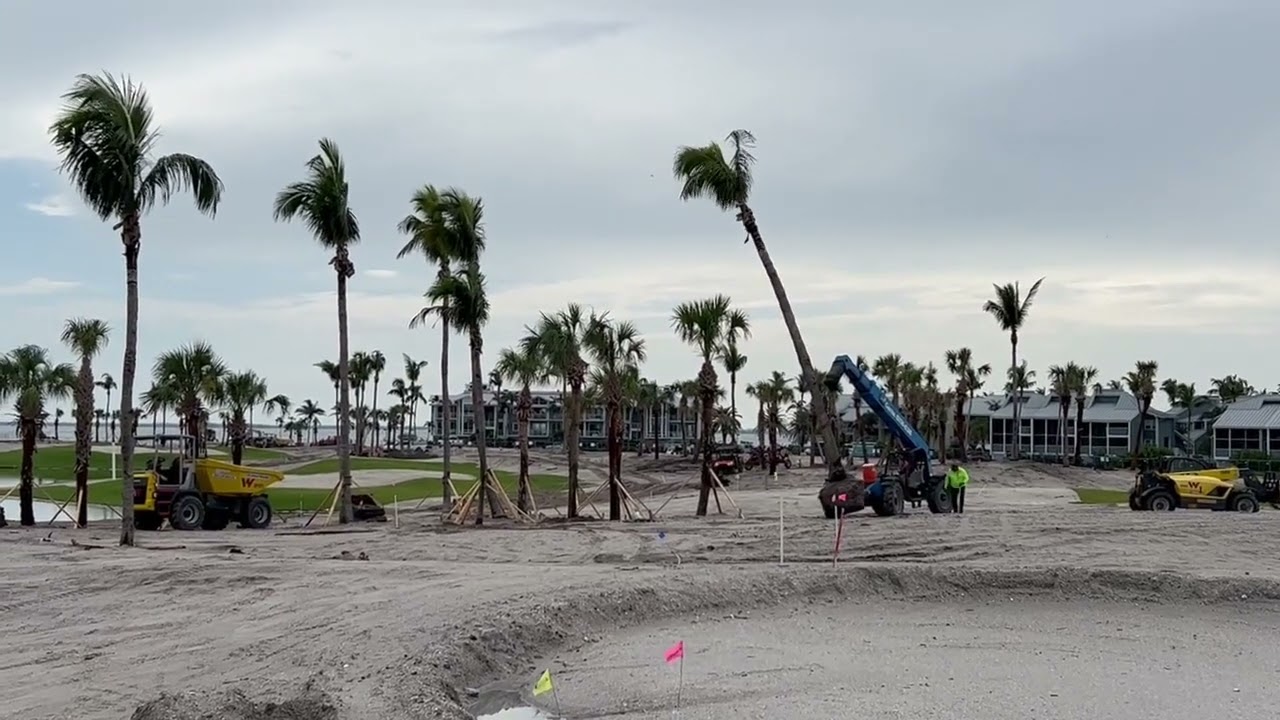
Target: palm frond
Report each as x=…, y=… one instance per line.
x=180, y=172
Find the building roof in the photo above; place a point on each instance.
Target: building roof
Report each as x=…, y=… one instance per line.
x=1259, y=411
x=1104, y=406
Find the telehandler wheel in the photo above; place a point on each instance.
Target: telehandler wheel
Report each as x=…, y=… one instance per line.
x=1134, y=502
x=147, y=520
x=257, y=513
x=187, y=513
x=1161, y=501
x=892, y=501
x=216, y=519
x=939, y=499
x=1244, y=502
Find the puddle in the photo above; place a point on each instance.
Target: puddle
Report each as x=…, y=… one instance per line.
x=45, y=511
x=519, y=713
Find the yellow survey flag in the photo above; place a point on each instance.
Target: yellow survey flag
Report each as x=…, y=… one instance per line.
x=543, y=685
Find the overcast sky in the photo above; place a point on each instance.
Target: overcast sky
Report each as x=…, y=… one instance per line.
x=910, y=155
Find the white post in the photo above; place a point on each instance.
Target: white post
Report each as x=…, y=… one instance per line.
x=113, y=465
x=781, y=560
x=395, y=508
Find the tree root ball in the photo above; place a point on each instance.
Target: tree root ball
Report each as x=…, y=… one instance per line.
x=855, y=493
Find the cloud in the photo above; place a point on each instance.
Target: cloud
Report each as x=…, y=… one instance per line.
x=38, y=286
x=52, y=206
x=382, y=274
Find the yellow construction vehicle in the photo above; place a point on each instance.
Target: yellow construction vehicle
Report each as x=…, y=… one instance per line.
x=194, y=492
x=1221, y=490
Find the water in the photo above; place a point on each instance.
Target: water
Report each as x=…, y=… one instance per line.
x=46, y=510
x=520, y=713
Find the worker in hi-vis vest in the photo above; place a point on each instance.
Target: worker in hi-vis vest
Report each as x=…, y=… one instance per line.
x=957, y=479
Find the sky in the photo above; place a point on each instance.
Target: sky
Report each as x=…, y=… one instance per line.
x=910, y=156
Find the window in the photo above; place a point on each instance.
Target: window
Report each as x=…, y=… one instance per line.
x=1273, y=443
x=1118, y=430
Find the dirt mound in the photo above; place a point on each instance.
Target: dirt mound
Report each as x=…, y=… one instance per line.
x=233, y=705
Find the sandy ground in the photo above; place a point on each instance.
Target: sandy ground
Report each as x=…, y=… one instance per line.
x=184, y=623
x=996, y=660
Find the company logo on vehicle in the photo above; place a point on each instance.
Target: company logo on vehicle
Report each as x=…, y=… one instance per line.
x=252, y=480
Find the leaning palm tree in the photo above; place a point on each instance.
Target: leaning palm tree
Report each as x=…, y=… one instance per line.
x=30, y=379
x=1011, y=308
x=702, y=324
x=704, y=171
x=526, y=369
x=461, y=298
x=445, y=229
x=86, y=338
x=616, y=350
x=321, y=202
x=105, y=135
x=558, y=338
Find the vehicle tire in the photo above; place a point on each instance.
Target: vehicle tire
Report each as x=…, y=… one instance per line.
x=892, y=501
x=1134, y=502
x=1244, y=502
x=216, y=519
x=257, y=513
x=147, y=520
x=939, y=500
x=1160, y=501
x=187, y=513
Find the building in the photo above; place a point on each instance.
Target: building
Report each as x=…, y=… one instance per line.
x=546, y=421
x=1248, y=426
x=1112, y=424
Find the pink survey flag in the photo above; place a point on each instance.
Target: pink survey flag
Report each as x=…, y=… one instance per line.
x=842, y=497
x=675, y=652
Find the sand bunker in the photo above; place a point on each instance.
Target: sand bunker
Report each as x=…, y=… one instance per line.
x=367, y=478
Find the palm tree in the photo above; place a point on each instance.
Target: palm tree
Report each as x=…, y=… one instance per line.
x=1084, y=379
x=558, y=339
x=1186, y=397
x=1011, y=310
x=703, y=325
x=960, y=364
x=320, y=202
x=105, y=134
x=30, y=379
x=777, y=394
x=739, y=328
x=1060, y=384
x=1141, y=383
x=377, y=365
x=108, y=384
x=310, y=413
x=1231, y=388
x=445, y=228
x=1021, y=379
x=616, y=350
x=413, y=394
x=704, y=171
x=86, y=338
x=331, y=371
x=193, y=372
x=240, y=393
x=525, y=369
x=461, y=298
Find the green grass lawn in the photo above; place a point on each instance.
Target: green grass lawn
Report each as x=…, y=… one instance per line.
x=58, y=463
x=1097, y=496
x=330, y=465
x=55, y=464
x=284, y=498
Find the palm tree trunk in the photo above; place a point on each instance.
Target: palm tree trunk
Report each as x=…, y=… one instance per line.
x=522, y=417
x=477, y=405
x=131, y=235
x=26, y=486
x=657, y=428
x=446, y=411
x=573, y=433
x=773, y=443
x=614, y=446
x=84, y=445
x=1017, y=396
x=822, y=413
x=707, y=391
x=684, y=428
x=238, y=432
x=344, y=391
x=374, y=411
